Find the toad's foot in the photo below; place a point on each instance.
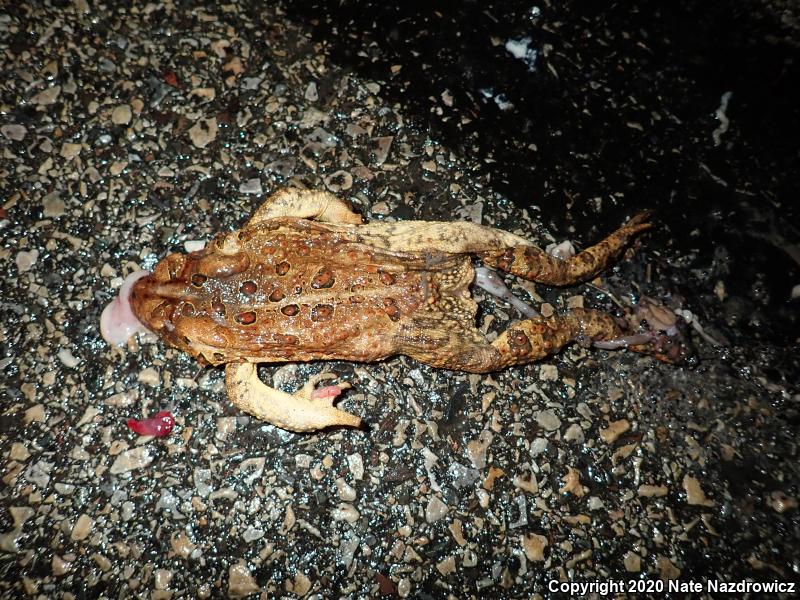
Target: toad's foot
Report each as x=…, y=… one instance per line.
x=308, y=409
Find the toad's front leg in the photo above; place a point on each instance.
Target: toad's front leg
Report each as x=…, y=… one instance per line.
x=308, y=409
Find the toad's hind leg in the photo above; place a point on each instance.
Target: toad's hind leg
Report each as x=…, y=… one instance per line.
x=534, y=264
x=532, y=339
x=305, y=204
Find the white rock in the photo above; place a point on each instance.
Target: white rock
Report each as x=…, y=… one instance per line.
x=13, y=132
x=548, y=420
x=203, y=132
x=435, y=510
x=67, y=359
x=345, y=512
x=241, y=582
x=130, y=460
x=53, y=205
x=356, y=465
x=26, y=259
x=70, y=150
x=48, y=96
x=121, y=115
x=251, y=186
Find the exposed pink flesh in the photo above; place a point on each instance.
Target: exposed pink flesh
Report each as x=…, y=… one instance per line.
x=159, y=425
x=326, y=391
x=118, y=323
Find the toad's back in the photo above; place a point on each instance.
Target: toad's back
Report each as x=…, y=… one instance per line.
x=292, y=289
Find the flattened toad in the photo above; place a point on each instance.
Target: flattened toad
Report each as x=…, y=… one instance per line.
x=306, y=279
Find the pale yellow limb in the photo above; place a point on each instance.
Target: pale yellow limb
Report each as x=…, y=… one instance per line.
x=295, y=412
x=306, y=204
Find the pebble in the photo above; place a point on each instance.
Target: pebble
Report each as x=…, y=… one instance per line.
x=130, y=460
x=101, y=561
x=19, y=452
x=252, y=534
x=649, y=491
x=301, y=585
x=241, y=582
x=59, y=566
x=533, y=545
x=193, y=245
x=345, y=512
x=82, y=528
x=404, y=587
x=14, y=132
x=70, y=150
x=203, y=132
x=435, y=510
x=446, y=565
x=48, y=96
x=35, y=414
x=694, y=493
x=149, y=376
x=574, y=433
x=121, y=115
x=20, y=514
x=548, y=373
x=311, y=93
x=346, y=491
x=610, y=434
x=162, y=579
x=67, y=359
x=251, y=186
x=356, y=466
x=476, y=449
x=181, y=545
x=470, y=558
x=632, y=562
x=53, y=205
x=347, y=549
x=26, y=259
x=547, y=419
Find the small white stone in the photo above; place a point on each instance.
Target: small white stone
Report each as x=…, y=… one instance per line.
x=48, y=96
x=67, y=359
x=346, y=491
x=435, y=510
x=548, y=372
x=70, y=150
x=574, y=433
x=241, y=582
x=26, y=259
x=345, y=512
x=13, y=132
x=53, y=205
x=311, y=93
x=251, y=186
x=162, y=578
x=356, y=465
x=548, y=420
x=121, y=115
x=149, y=376
x=82, y=528
x=136, y=458
x=203, y=132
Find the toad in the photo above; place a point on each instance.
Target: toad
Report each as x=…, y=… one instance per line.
x=305, y=279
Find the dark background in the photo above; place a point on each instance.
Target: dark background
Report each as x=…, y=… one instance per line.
x=621, y=106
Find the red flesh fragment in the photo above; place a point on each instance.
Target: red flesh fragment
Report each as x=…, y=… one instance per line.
x=159, y=425
x=327, y=391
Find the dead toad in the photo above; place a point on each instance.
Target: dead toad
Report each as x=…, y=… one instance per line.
x=306, y=279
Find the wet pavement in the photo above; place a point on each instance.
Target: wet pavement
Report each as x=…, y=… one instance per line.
x=127, y=132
